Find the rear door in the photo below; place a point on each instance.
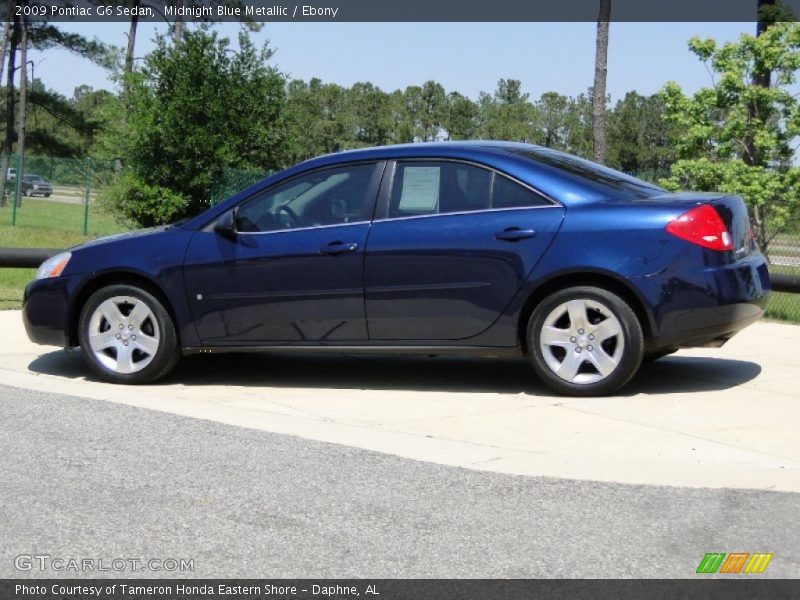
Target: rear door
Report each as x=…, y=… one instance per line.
x=451, y=245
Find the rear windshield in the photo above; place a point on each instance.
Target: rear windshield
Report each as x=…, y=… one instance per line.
x=607, y=182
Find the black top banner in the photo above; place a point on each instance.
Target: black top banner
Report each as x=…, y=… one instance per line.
x=391, y=11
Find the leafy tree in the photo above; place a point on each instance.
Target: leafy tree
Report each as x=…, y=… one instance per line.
x=402, y=126
x=553, y=120
x=316, y=119
x=40, y=36
x=640, y=140
x=426, y=110
x=738, y=134
x=196, y=108
x=461, y=121
x=508, y=114
x=579, y=126
x=371, y=111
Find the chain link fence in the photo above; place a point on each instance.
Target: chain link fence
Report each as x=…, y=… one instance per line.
x=783, y=253
x=44, y=193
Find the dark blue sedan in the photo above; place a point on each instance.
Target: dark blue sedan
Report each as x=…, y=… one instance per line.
x=481, y=248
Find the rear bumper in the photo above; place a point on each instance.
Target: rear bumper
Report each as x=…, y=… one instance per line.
x=708, y=327
x=706, y=306
x=45, y=311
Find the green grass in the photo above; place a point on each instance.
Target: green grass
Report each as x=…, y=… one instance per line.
x=45, y=224
x=12, y=282
x=784, y=307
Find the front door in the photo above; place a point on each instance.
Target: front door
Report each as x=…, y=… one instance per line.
x=294, y=271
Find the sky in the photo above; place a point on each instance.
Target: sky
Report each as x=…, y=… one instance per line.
x=467, y=57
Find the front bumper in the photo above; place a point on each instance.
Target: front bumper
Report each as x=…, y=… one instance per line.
x=45, y=311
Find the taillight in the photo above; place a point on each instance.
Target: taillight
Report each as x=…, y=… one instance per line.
x=702, y=226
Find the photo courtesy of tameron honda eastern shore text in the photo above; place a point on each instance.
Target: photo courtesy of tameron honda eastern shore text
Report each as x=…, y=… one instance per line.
x=480, y=248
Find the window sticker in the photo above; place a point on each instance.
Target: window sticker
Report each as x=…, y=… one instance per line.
x=420, y=190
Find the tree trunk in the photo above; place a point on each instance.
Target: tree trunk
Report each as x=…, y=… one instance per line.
x=761, y=77
x=23, y=105
x=4, y=45
x=177, y=29
x=8, y=142
x=599, y=90
x=131, y=41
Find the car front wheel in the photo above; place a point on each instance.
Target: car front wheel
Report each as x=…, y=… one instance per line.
x=127, y=336
x=585, y=341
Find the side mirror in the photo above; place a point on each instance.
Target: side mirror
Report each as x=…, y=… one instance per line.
x=226, y=224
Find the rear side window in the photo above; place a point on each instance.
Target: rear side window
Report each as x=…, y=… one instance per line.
x=609, y=183
x=433, y=187
x=508, y=194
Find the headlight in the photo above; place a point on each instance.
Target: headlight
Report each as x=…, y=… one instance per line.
x=53, y=266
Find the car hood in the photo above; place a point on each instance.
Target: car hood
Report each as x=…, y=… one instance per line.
x=136, y=233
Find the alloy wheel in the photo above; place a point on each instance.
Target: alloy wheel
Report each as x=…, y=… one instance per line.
x=124, y=334
x=582, y=341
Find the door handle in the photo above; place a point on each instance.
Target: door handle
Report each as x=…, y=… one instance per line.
x=338, y=248
x=513, y=234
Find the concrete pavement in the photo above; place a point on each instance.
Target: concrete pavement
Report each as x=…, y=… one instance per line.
x=88, y=479
x=702, y=418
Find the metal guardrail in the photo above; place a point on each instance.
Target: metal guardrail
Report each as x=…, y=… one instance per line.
x=785, y=283
x=25, y=258
x=31, y=258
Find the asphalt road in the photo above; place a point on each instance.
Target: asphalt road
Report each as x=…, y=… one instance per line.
x=82, y=478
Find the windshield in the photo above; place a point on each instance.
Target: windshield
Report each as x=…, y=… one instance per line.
x=611, y=183
x=33, y=178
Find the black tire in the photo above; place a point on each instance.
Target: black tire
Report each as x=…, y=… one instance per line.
x=162, y=361
x=630, y=352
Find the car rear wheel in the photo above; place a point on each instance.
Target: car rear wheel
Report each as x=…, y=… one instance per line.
x=127, y=336
x=585, y=341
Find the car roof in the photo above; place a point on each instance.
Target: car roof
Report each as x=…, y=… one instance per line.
x=460, y=148
x=524, y=162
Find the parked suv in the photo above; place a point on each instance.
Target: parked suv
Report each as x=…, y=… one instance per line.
x=35, y=185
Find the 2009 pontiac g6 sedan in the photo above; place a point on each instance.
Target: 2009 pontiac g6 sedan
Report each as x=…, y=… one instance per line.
x=480, y=248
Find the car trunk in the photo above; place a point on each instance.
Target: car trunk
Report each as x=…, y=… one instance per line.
x=731, y=209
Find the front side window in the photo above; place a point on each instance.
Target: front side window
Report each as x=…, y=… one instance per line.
x=330, y=197
x=431, y=187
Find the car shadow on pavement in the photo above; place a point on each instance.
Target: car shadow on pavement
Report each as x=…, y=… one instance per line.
x=673, y=374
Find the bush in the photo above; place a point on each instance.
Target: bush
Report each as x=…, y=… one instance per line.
x=195, y=109
x=132, y=199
